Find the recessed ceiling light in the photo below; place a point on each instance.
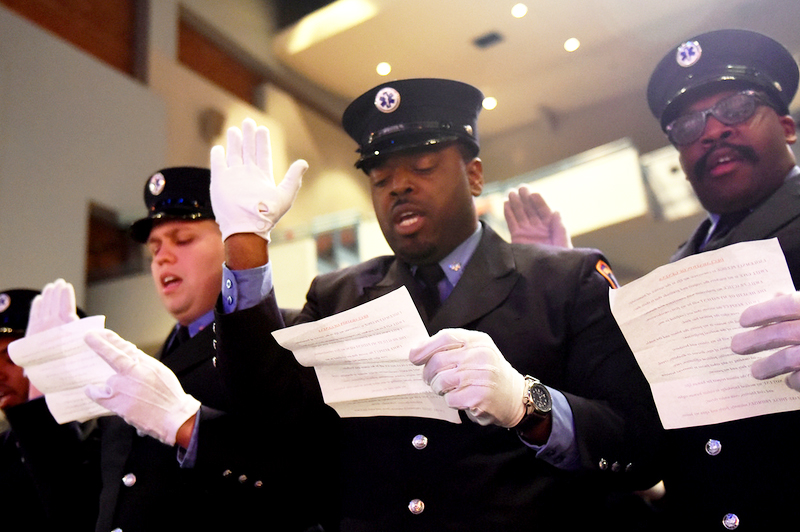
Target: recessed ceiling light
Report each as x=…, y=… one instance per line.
x=383, y=69
x=519, y=10
x=572, y=44
x=489, y=103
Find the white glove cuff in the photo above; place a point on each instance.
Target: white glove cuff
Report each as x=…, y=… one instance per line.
x=188, y=407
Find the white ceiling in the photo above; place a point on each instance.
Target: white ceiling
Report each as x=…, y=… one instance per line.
x=531, y=75
x=529, y=72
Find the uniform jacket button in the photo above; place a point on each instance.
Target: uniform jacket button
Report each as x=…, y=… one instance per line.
x=420, y=441
x=730, y=521
x=416, y=506
x=603, y=464
x=129, y=480
x=713, y=447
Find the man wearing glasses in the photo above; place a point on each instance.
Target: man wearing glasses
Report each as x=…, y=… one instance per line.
x=723, y=100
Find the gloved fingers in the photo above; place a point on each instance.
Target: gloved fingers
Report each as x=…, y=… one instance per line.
x=67, y=306
x=119, y=361
x=782, y=307
x=263, y=151
x=235, y=147
x=783, y=361
x=218, y=163
x=98, y=394
x=514, y=211
x=249, y=141
x=454, y=377
x=291, y=182
x=535, y=206
x=767, y=337
x=444, y=340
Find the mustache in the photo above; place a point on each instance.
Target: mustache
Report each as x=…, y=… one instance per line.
x=745, y=152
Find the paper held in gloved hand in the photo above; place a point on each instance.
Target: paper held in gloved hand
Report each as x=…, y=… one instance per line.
x=60, y=364
x=361, y=359
x=679, y=320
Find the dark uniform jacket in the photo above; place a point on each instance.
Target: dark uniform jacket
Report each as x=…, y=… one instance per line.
x=43, y=495
x=755, y=474
x=244, y=477
x=547, y=311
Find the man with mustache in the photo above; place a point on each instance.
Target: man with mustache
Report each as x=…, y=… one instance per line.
x=554, y=411
x=723, y=99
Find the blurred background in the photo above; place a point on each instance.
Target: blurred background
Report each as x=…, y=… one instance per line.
x=96, y=95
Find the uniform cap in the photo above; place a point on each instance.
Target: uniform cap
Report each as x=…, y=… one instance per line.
x=15, y=307
x=181, y=193
x=412, y=113
x=738, y=58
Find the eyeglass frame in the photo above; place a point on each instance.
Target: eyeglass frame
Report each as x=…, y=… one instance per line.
x=759, y=98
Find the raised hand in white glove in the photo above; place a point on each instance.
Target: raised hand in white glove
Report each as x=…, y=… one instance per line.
x=778, y=325
x=470, y=372
x=143, y=392
x=530, y=220
x=244, y=196
x=53, y=307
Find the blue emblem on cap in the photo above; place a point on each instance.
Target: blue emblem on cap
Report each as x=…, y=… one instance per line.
x=688, y=53
x=5, y=302
x=156, y=184
x=387, y=100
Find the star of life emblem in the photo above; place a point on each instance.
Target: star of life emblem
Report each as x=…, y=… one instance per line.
x=688, y=53
x=387, y=100
x=5, y=302
x=156, y=184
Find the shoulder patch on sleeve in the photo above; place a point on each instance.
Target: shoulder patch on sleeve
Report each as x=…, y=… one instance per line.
x=605, y=270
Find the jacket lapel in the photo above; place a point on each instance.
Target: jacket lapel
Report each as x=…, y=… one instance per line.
x=487, y=280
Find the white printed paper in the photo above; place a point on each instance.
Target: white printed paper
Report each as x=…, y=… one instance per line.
x=679, y=320
x=361, y=359
x=60, y=364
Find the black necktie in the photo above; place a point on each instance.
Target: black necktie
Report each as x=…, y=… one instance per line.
x=724, y=225
x=429, y=276
x=180, y=336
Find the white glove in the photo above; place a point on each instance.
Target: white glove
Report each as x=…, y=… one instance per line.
x=243, y=192
x=143, y=392
x=530, y=220
x=470, y=372
x=53, y=307
x=778, y=325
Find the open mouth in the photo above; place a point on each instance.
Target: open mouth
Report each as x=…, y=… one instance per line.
x=170, y=282
x=407, y=220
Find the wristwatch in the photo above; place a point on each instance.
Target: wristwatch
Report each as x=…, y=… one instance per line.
x=537, y=401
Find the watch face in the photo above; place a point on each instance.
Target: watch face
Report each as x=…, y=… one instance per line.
x=541, y=398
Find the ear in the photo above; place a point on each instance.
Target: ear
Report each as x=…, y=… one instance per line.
x=474, y=170
x=789, y=129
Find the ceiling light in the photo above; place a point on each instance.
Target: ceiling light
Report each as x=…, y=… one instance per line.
x=571, y=44
x=489, y=103
x=331, y=20
x=519, y=10
x=383, y=69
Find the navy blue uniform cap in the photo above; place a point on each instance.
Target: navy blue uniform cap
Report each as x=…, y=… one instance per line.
x=412, y=113
x=735, y=58
x=181, y=193
x=15, y=307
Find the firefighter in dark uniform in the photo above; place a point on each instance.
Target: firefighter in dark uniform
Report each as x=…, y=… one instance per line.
x=38, y=496
x=723, y=100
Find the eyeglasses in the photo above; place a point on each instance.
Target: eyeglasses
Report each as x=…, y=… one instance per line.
x=732, y=110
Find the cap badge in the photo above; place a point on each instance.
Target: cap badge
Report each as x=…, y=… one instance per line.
x=387, y=100
x=5, y=302
x=688, y=53
x=156, y=184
